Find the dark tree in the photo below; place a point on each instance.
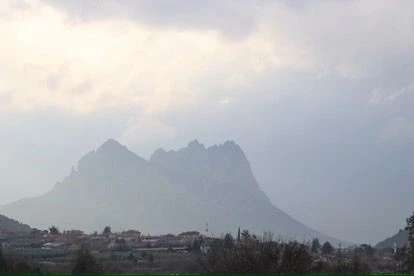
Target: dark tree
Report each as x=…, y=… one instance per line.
x=410, y=255
x=358, y=266
x=316, y=246
x=366, y=249
x=3, y=264
x=401, y=253
x=258, y=256
x=327, y=248
x=228, y=241
x=86, y=263
x=296, y=258
x=195, y=246
x=246, y=235
x=53, y=230
x=107, y=230
x=132, y=258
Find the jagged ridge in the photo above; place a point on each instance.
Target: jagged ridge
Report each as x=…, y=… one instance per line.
x=172, y=192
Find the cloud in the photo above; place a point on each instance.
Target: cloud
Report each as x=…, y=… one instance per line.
x=49, y=58
x=233, y=18
x=352, y=38
x=384, y=95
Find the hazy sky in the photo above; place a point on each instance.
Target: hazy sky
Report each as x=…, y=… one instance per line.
x=319, y=94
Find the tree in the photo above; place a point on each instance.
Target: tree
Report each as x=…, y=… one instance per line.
x=327, y=248
x=246, y=235
x=401, y=253
x=262, y=256
x=3, y=264
x=228, y=241
x=410, y=255
x=366, y=249
x=132, y=258
x=358, y=266
x=86, y=263
x=316, y=246
x=295, y=258
x=107, y=230
x=195, y=246
x=54, y=230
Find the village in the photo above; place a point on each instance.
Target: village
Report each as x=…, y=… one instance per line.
x=55, y=251
x=52, y=251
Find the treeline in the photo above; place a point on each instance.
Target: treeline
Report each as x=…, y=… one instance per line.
x=252, y=254
x=84, y=263
x=16, y=265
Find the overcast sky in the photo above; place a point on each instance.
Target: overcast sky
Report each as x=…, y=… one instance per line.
x=319, y=94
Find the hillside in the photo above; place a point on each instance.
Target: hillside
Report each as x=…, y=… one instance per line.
x=401, y=239
x=172, y=192
x=10, y=225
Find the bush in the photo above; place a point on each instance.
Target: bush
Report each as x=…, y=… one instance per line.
x=86, y=263
x=258, y=256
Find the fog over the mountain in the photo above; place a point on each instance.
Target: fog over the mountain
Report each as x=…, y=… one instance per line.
x=319, y=94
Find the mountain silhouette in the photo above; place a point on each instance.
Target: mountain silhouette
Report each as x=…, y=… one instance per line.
x=172, y=192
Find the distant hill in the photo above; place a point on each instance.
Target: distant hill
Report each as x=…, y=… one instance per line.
x=193, y=188
x=10, y=225
x=401, y=239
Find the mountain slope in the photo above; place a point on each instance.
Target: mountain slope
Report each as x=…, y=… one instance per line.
x=400, y=239
x=172, y=192
x=11, y=225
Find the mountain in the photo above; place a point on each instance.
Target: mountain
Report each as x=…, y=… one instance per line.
x=400, y=239
x=172, y=192
x=11, y=225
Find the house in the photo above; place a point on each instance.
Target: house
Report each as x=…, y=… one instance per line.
x=149, y=242
x=52, y=245
x=189, y=236
x=131, y=235
x=74, y=233
x=169, y=240
x=97, y=243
